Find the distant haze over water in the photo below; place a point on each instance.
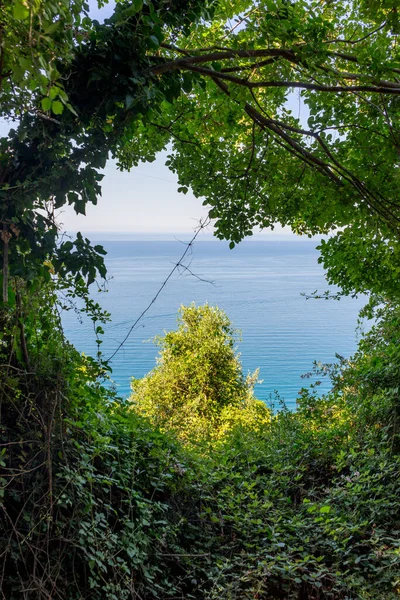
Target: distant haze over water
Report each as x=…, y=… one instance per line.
x=258, y=284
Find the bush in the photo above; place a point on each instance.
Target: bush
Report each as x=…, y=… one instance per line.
x=96, y=502
x=197, y=390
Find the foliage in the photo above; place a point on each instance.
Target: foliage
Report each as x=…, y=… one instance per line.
x=197, y=388
x=98, y=501
x=34, y=35
x=86, y=488
x=218, y=81
x=95, y=502
x=284, y=118
x=54, y=156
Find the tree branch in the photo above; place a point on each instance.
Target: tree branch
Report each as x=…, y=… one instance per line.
x=338, y=40
x=192, y=64
x=393, y=89
x=278, y=128
x=182, y=63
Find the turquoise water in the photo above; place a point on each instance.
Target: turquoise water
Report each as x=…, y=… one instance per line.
x=258, y=284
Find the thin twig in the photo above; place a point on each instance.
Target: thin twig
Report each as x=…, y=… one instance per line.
x=203, y=225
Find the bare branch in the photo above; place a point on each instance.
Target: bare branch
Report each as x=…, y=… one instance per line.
x=183, y=63
x=338, y=40
x=391, y=88
x=179, y=264
x=171, y=132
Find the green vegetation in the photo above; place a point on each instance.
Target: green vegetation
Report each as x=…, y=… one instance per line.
x=194, y=489
x=98, y=503
x=197, y=390
x=214, y=81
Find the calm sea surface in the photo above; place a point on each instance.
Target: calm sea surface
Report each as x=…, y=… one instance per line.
x=258, y=284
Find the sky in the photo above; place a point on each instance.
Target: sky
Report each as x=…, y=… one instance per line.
x=143, y=200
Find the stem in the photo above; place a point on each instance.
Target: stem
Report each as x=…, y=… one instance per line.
x=5, y=237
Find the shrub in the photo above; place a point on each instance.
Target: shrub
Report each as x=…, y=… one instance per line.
x=96, y=502
x=197, y=389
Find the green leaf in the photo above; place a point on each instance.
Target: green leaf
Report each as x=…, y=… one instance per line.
x=53, y=92
x=46, y=103
x=53, y=27
x=154, y=41
x=187, y=82
x=42, y=63
x=138, y=5
x=80, y=207
x=135, y=7
x=20, y=11
x=129, y=101
x=57, y=107
x=71, y=109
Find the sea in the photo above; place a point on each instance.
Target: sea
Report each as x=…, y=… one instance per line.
x=261, y=285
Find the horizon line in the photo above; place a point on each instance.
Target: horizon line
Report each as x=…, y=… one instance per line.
x=170, y=234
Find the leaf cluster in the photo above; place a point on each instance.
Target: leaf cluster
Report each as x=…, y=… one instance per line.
x=197, y=389
x=98, y=502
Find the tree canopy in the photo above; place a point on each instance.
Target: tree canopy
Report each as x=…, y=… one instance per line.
x=197, y=389
x=275, y=112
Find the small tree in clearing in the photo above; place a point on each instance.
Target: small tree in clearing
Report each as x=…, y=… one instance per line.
x=197, y=388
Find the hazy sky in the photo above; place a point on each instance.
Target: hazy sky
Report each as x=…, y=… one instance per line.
x=145, y=199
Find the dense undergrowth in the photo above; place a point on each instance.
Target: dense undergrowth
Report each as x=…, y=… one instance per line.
x=96, y=503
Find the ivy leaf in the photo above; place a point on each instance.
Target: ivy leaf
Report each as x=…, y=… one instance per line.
x=325, y=509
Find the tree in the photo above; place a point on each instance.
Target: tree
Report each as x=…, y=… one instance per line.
x=217, y=81
x=69, y=116
x=87, y=488
x=197, y=388
x=238, y=143
x=34, y=35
